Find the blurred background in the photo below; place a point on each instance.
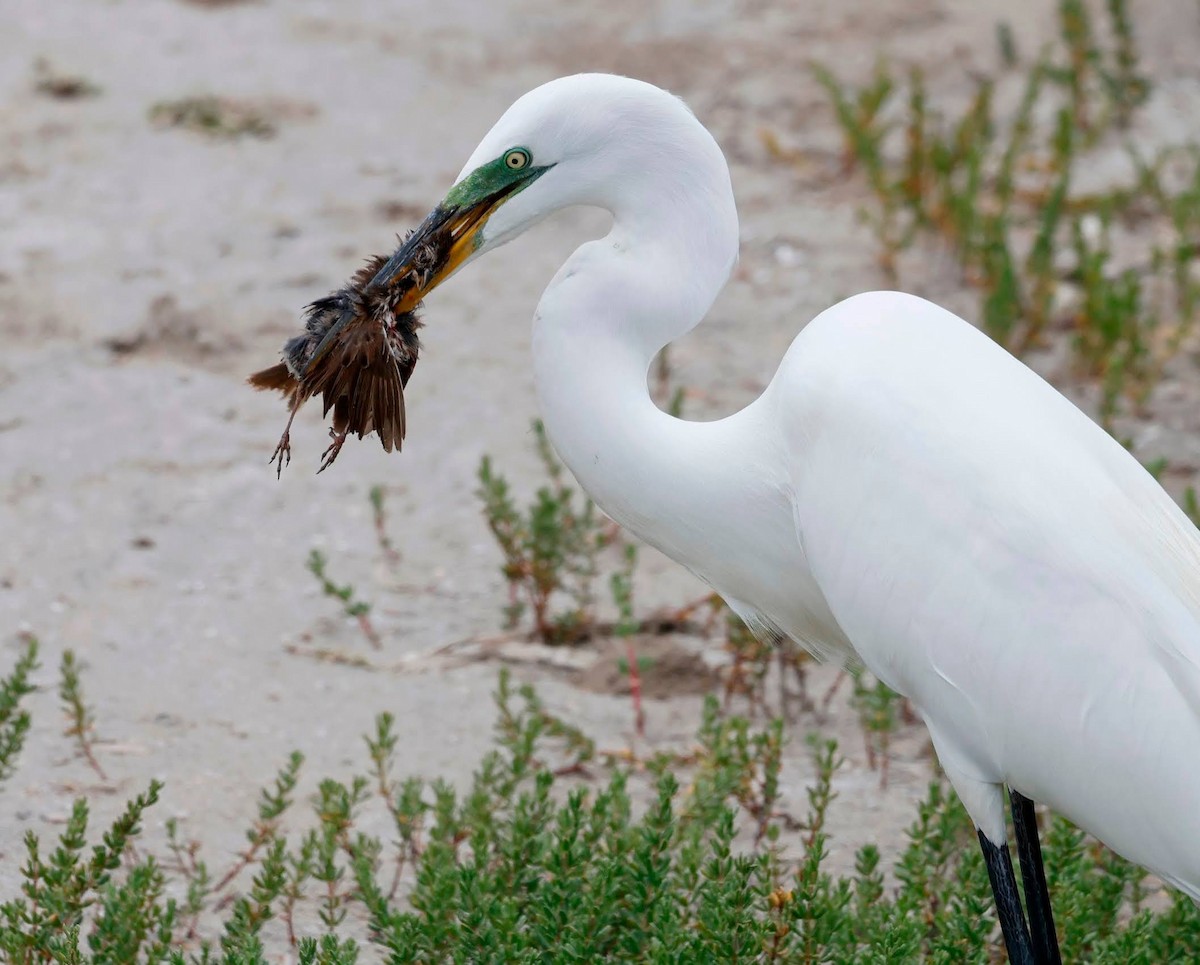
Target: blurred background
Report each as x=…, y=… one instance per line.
x=179, y=178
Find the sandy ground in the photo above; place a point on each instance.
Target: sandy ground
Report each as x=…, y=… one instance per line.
x=141, y=525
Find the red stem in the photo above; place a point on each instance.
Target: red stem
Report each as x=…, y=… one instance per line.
x=635, y=688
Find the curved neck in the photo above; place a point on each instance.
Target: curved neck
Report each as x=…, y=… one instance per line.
x=612, y=306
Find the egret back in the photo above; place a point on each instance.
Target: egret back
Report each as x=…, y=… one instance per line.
x=994, y=555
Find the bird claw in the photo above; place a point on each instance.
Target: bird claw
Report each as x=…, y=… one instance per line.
x=330, y=454
x=282, y=456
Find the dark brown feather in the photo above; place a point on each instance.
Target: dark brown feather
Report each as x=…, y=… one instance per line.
x=276, y=378
x=357, y=352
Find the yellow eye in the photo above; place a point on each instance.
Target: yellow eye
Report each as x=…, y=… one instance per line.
x=516, y=159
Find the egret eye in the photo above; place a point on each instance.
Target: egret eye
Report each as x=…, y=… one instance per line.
x=516, y=159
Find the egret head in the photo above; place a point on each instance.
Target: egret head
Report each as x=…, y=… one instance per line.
x=588, y=139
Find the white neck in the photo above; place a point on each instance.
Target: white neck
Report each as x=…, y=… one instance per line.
x=610, y=309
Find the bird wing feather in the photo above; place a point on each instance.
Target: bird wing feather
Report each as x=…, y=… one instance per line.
x=363, y=385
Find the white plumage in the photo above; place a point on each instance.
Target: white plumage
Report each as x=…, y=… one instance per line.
x=904, y=491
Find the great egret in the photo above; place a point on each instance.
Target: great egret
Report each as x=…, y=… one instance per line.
x=904, y=492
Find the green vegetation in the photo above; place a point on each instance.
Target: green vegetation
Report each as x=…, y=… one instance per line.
x=678, y=859
x=751, y=659
x=80, y=723
x=550, y=549
x=14, y=720
x=1001, y=194
x=377, y=496
x=879, y=709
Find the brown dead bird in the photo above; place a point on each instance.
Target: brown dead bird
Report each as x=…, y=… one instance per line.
x=358, y=350
x=360, y=344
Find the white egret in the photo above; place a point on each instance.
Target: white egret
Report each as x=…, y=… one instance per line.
x=904, y=492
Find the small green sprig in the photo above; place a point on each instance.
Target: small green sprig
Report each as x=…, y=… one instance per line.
x=80, y=723
x=551, y=549
x=377, y=496
x=14, y=719
x=360, y=610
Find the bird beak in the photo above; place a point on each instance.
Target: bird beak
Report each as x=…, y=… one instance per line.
x=448, y=236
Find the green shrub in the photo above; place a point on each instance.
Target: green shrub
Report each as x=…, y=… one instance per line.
x=1000, y=193
x=689, y=858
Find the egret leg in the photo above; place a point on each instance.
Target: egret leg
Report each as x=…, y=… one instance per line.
x=1008, y=902
x=1033, y=875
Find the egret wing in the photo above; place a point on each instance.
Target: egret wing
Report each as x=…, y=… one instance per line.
x=993, y=554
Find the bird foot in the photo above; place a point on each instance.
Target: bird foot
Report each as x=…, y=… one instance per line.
x=282, y=456
x=330, y=454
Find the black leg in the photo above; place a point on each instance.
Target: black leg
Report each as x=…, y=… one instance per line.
x=1008, y=902
x=1033, y=875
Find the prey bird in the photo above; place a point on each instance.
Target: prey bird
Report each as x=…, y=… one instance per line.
x=358, y=350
